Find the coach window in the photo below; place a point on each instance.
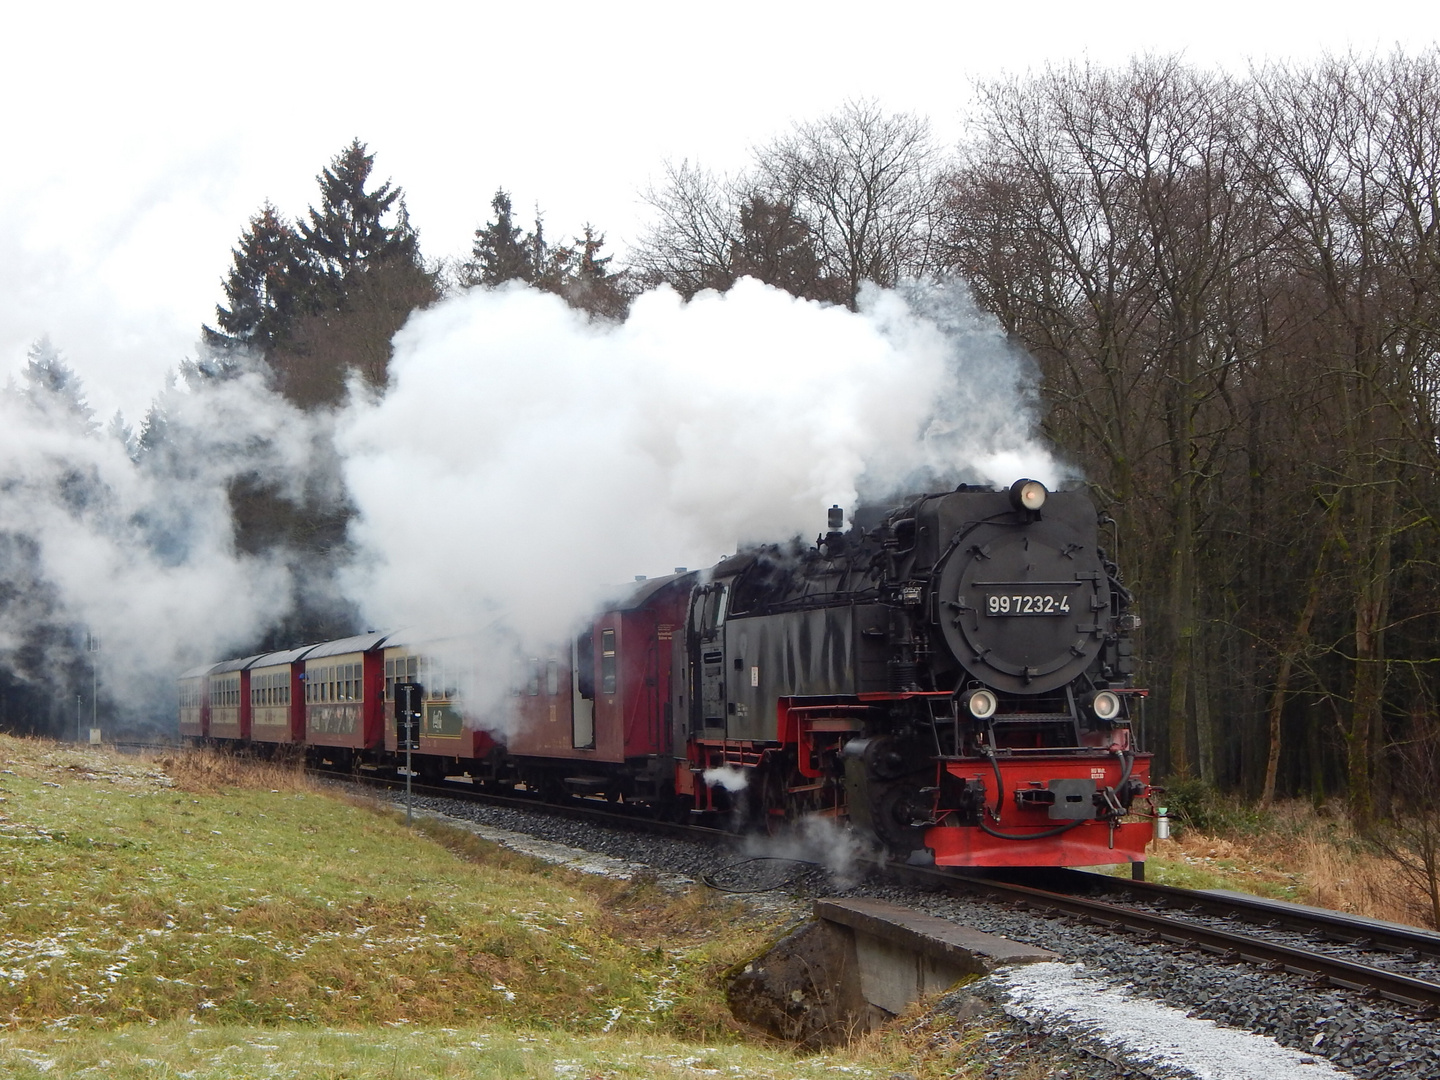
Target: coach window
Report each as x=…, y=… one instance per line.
x=607, y=661
x=552, y=677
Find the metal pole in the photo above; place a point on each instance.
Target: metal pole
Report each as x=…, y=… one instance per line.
x=79, y=716
x=94, y=681
x=409, y=720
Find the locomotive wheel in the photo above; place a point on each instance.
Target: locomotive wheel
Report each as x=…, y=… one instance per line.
x=760, y=806
x=772, y=803
x=894, y=818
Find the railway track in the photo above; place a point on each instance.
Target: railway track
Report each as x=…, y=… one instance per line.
x=592, y=810
x=1321, y=966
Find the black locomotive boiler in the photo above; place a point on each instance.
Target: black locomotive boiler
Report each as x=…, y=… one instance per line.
x=955, y=675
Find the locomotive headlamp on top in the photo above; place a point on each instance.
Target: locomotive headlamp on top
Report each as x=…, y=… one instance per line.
x=1027, y=495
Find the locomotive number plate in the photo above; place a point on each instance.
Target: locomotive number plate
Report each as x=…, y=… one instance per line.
x=1027, y=604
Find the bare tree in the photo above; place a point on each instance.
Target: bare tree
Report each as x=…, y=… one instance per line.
x=1352, y=159
x=864, y=181
x=692, y=243
x=1107, y=218
x=1410, y=836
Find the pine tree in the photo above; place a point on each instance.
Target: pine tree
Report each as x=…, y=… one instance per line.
x=154, y=430
x=591, y=287
x=500, y=253
x=777, y=246
x=52, y=387
x=122, y=433
x=348, y=232
x=551, y=266
x=269, y=284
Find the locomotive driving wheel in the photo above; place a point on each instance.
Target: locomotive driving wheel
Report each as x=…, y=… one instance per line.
x=765, y=809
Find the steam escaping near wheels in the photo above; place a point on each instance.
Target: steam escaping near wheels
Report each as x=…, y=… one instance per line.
x=727, y=777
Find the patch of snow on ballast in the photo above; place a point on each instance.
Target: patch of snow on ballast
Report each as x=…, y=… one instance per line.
x=1059, y=999
x=587, y=862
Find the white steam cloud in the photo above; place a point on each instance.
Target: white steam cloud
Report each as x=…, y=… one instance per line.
x=727, y=777
x=136, y=555
x=525, y=460
x=523, y=463
x=843, y=853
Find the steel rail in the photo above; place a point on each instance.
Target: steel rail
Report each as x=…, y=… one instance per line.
x=1333, y=925
x=1322, y=969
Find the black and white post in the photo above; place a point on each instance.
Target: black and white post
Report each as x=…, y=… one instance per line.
x=408, y=696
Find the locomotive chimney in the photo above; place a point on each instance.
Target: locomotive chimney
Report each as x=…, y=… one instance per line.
x=836, y=519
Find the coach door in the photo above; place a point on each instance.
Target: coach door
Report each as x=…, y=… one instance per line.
x=707, y=660
x=582, y=663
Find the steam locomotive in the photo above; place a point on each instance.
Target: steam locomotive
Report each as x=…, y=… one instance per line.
x=953, y=676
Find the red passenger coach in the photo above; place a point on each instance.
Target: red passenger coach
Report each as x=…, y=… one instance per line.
x=277, y=697
x=443, y=668
x=229, y=695
x=596, y=720
x=345, y=693
x=195, y=702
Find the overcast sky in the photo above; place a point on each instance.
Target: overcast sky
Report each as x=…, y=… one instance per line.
x=138, y=138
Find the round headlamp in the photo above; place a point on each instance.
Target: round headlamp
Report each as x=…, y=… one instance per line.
x=982, y=704
x=1027, y=494
x=1105, y=705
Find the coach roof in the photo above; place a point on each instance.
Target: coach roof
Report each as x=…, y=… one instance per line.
x=234, y=665
x=358, y=643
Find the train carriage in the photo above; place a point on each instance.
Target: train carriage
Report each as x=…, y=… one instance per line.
x=598, y=720
x=277, y=697
x=229, y=696
x=450, y=739
x=345, y=694
x=194, y=693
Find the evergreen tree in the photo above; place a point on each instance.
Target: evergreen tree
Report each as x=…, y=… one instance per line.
x=500, y=253
x=52, y=387
x=348, y=232
x=550, y=266
x=269, y=284
x=154, y=430
x=777, y=246
x=122, y=433
x=591, y=287
x=365, y=277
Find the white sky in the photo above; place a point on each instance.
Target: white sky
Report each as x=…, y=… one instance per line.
x=138, y=138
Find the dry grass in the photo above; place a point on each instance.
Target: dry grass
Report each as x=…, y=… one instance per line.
x=1293, y=853
x=212, y=770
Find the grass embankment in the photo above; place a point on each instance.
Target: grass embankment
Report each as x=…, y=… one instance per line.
x=1291, y=852
x=201, y=918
